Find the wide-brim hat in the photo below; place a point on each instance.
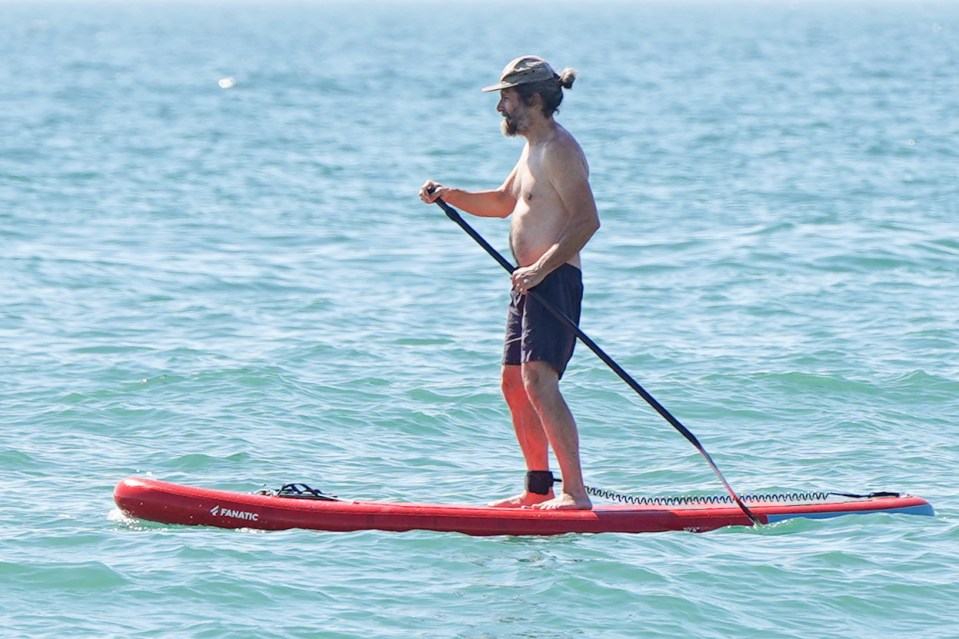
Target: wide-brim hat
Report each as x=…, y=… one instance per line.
x=525, y=69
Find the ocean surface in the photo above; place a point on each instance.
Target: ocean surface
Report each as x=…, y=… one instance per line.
x=215, y=270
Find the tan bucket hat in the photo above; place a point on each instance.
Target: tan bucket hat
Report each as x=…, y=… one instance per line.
x=524, y=70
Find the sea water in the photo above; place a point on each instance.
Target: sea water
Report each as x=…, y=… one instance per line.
x=216, y=271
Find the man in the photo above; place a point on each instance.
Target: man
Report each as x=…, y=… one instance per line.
x=553, y=216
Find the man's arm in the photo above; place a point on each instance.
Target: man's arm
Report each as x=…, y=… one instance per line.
x=493, y=203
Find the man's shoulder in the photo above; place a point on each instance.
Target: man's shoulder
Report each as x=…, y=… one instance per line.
x=564, y=150
x=563, y=136
x=563, y=142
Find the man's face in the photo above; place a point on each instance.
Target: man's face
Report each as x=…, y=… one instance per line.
x=515, y=112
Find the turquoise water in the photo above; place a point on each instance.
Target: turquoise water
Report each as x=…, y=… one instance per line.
x=215, y=271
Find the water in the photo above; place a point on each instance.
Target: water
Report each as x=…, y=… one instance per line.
x=216, y=271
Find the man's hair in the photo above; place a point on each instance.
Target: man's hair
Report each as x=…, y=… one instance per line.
x=551, y=91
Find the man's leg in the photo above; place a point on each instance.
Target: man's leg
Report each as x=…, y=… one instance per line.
x=541, y=385
x=529, y=433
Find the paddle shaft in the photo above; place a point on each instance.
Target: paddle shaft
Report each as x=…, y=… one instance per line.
x=454, y=215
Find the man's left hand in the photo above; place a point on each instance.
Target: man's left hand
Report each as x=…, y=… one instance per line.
x=526, y=277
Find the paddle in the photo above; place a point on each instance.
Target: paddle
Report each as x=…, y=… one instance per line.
x=454, y=215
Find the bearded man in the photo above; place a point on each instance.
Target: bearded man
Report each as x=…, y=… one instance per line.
x=553, y=215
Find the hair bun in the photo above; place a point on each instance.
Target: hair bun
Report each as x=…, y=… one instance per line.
x=567, y=77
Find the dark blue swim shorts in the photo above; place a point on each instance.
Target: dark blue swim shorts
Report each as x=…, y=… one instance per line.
x=533, y=333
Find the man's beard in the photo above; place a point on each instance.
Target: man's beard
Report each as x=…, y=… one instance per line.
x=514, y=125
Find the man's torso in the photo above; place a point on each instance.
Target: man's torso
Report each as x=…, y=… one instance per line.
x=539, y=217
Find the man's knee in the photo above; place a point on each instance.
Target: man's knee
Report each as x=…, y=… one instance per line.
x=539, y=378
x=512, y=382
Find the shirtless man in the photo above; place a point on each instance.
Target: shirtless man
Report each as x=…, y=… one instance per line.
x=553, y=216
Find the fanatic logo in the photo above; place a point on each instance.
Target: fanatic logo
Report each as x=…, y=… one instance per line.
x=245, y=515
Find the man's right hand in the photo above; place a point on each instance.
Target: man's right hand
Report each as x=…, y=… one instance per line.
x=431, y=191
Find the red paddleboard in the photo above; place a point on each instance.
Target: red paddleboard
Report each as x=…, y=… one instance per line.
x=169, y=503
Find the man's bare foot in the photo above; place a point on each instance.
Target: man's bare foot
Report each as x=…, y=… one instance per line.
x=525, y=500
x=565, y=502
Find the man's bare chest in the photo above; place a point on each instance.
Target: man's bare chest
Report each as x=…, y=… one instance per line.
x=533, y=189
